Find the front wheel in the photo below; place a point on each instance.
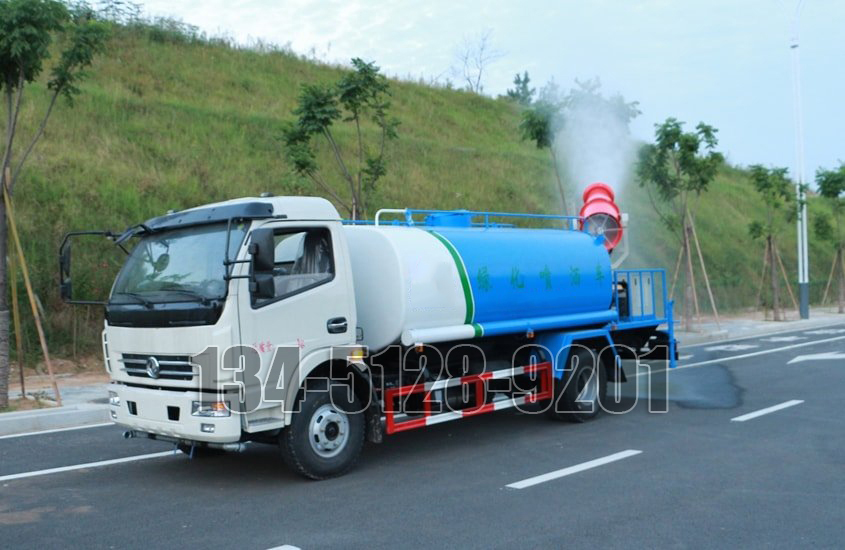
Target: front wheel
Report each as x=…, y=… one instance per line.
x=579, y=393
x=325, y=436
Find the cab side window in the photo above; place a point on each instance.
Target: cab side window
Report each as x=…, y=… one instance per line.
x=303, y=260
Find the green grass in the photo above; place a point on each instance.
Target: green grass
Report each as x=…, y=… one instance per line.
x=167, y=124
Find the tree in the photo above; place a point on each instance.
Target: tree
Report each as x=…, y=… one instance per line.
x=27, y=31
x=775, y=190
x=120, y=11
x=831, y=186
x=361, y=95
x=679, y=166
x=474, y=57
x=521, y=92
x=540, y=124
x=587, y=96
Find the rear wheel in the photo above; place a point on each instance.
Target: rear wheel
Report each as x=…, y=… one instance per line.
x=577, y=395
x=326, y=435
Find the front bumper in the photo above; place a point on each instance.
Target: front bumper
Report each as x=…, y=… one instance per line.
x=154, y=408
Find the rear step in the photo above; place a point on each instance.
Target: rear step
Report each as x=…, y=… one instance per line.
x=395, y=421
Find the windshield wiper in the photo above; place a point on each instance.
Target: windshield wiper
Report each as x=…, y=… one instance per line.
x=141, y=299
x=187, y=292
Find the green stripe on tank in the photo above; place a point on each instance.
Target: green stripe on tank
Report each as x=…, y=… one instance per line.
x=462, y=273
x=479, y=330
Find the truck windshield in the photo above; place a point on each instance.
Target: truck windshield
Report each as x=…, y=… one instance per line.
x=180, y=265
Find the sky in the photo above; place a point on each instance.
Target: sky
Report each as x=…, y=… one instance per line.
x=723, y=62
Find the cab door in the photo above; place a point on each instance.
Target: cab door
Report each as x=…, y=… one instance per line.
x=313, y=303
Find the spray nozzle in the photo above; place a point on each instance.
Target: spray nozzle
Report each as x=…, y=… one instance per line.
x=600, y=215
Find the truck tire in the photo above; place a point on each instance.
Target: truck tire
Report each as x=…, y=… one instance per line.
x=323, y=439
x=579, y=400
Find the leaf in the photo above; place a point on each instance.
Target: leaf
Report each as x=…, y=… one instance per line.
x=317, y=109
x=26, y=34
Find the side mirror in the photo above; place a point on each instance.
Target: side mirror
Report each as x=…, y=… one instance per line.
x=65, y=286
x=262, y=250
x=262, y=286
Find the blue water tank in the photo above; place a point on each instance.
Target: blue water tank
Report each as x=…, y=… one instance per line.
x=518, y=274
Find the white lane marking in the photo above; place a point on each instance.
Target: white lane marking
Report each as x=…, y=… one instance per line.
x=87, y=465
x=685, y=357
x=767, y=410
x=56, y=430
x=818, y=357
x=783, y=339
x=744, y=355
x=754, y=337
x=285, y=547
x=826, y=331
x=732, y=347
x=531, y=481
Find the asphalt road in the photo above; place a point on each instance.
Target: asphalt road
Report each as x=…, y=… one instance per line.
x=700, y=479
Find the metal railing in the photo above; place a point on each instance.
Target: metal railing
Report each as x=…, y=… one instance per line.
x=646, y=304
x=478, y=218
x=645, y=297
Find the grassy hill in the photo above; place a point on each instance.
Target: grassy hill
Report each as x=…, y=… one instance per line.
x=166, y=122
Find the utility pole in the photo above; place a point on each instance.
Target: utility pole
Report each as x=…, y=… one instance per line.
x=803, y=255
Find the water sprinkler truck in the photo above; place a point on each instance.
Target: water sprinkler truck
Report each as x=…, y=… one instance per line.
x=272, y=320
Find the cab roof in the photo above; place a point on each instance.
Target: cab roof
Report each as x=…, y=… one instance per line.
x=291, y=208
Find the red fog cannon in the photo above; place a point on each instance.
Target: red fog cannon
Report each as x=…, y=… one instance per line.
x=600, y=215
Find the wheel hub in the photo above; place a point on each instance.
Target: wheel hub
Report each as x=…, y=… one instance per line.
x=328, y=430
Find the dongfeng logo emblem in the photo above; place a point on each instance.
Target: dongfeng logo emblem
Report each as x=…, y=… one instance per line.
x=153, y=367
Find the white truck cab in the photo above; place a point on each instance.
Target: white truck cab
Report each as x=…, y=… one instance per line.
x=180, y=299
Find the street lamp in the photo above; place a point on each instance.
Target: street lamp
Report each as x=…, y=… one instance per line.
x=803, y=256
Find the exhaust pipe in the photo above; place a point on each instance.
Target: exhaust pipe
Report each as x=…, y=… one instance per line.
x=237, y=447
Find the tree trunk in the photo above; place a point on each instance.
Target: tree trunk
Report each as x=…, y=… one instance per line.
x=356, y=215
x=775, y=282
x=758, y=304
x=559, y=181
x=4, y=312
x=703, y=270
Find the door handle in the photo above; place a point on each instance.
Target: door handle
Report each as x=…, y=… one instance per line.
x=336, y=325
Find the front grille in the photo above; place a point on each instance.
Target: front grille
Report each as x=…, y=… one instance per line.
x=170, y=367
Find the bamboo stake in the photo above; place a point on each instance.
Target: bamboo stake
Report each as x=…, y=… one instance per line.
x=704, y=271
x=786, y=280
x=677, y=270
x=777, y=309
x=841, y=274
x=16, y=316
x=830, y=277
x=25, y=272
x=691, y=272
x=75, y=334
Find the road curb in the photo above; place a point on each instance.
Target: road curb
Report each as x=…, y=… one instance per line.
x=774, y=327
x=70, y=416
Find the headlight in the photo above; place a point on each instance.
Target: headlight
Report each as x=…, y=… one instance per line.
x=114, y=399
x=210, y=408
